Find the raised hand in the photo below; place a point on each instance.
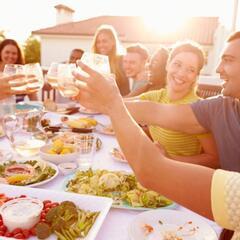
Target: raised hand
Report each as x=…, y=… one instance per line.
x=97, y=91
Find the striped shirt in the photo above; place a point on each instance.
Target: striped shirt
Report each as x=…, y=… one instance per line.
x=175, y=143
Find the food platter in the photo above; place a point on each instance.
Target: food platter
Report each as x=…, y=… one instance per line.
x=31, y=173
x=85, y=202
x=122, y=187
x=169, y=224
x=71, y=137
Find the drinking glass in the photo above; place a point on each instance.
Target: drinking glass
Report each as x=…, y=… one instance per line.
x=52, y=75
x=86, y=146
x=66, y=81
x=23, y=133
x=35, y=69
x=13, y=69
x=98, y=62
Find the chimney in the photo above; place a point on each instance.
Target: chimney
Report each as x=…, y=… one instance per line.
x=64, y=14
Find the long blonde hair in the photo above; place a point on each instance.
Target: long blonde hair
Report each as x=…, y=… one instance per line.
x=115, y=53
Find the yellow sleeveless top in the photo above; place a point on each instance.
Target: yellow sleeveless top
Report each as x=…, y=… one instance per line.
x=175, y=143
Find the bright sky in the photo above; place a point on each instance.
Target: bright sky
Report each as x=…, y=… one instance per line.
x=19, y=17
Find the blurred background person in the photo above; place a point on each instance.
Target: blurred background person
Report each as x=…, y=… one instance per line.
x=11, y=53
x=134, y=66
x=106, y=42
x=156, y=73
x=75, y=55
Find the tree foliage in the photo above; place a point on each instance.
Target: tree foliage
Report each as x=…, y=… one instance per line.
x=32, y=50
x=2, y=35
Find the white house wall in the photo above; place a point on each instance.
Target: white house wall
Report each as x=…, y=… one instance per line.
x=58, y=48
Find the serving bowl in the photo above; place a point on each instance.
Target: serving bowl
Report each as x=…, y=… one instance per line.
x=58, y=158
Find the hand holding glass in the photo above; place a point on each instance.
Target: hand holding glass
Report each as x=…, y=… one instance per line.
x=32, y=81
x=66, y=81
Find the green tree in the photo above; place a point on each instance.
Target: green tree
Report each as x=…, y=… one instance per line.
x=32, y=50
x=2, y=35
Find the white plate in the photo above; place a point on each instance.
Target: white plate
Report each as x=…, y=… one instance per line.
x=45, y=181
x=5, y=155
x=85, y=202
x=87, y=111
x=171, y=220
x=49, y=179
x=104, y=130
x=115, y=157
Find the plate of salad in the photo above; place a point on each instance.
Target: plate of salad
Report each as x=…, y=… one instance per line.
x=121, y=186
x=27, y=173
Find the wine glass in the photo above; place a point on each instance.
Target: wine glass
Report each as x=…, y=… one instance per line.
x=36, y=81
x=98, y=62
x=66, y=81
x=52, y=75
x=23, y=133
x=13, y=69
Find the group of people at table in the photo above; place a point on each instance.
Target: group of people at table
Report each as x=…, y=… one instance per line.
x=192, y=155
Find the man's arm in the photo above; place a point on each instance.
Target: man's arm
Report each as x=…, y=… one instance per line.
x=175, y=117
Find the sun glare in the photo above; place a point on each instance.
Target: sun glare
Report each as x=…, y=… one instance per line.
x=163, y=25
x=170, y=15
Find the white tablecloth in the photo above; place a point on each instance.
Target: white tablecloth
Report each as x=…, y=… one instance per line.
x=116, y=224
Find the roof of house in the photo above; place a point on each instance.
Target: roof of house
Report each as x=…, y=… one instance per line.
x=133, y=29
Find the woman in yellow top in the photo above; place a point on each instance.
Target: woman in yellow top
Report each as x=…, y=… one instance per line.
x=183, y=67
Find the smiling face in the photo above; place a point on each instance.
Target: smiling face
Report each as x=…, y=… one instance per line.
x=229, y=69
x=182, y=72
x=104, y=44
x=133, y=64
x=9, y=54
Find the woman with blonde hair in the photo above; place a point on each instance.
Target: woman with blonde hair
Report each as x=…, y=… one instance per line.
x=106, y=42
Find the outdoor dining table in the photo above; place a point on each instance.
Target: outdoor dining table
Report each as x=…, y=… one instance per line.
x=117, y=221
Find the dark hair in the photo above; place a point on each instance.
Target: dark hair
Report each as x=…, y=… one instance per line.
x=140, y=49
x=233, y=36
x=158, y=72
x=4, y=43
x=188, y=46
x=79, y=50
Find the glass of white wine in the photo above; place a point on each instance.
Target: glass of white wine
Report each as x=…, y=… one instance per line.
x=98, y=62
x=52, y=75
x=13, y=69
x=66, y=81
x=34, y=76
x=25, y=138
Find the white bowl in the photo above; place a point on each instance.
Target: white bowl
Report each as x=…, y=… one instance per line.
x=57, y=158
x=67, y=168
x=21, y=213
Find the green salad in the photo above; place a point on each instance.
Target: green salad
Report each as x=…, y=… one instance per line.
x=120, y=186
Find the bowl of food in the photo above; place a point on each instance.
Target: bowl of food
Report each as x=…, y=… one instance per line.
x=59, y=152
x=21, y=213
